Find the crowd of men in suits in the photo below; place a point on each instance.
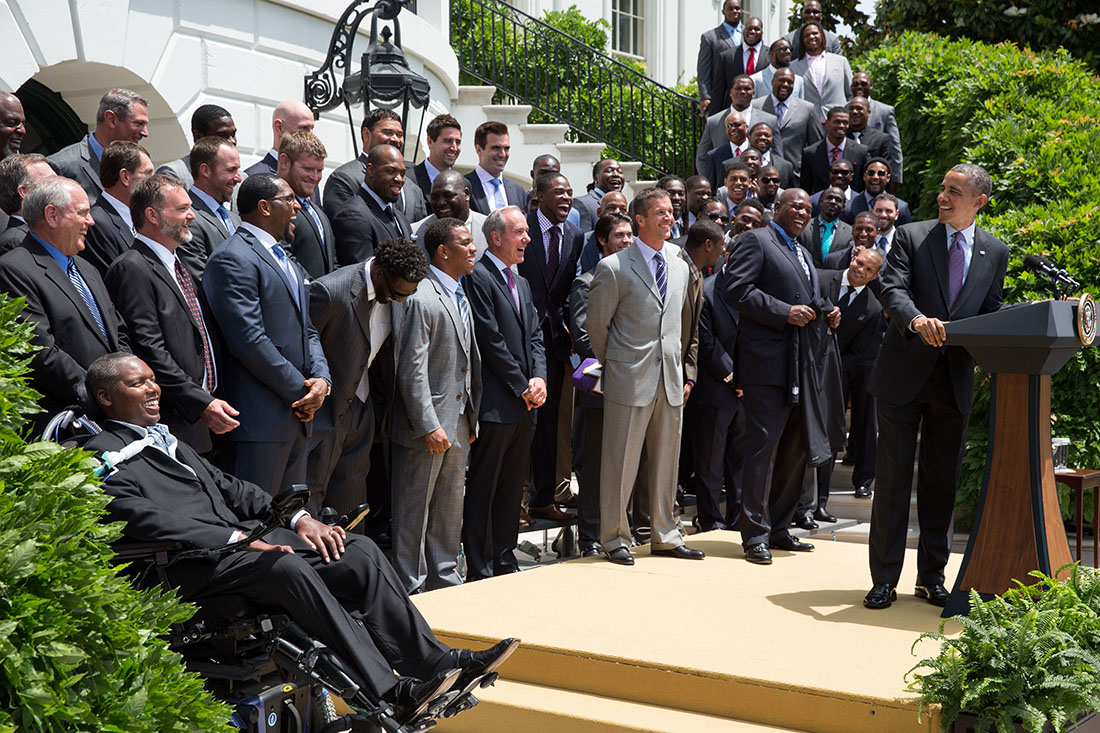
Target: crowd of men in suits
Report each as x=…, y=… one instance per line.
x=445, y=345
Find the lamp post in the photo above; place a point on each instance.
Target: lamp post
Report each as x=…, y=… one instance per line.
x=384, y=79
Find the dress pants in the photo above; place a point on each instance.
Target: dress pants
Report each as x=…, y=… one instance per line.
x=355, y=605
x=339, y=460
x=544, y=450
x=626, y=431
x=776, y=453
x=274, y=467
x=427, y=511
x=588, y=480
x=863, y=430
x=716, y=433
x=499, y=460
x=942, y=427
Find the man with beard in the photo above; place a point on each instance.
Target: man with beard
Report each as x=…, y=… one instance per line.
x=216, y=171
x=779, y=53
x=274, y=371
x=768, y=188
x=450, y=198
x=876, y=179
x=166, y=313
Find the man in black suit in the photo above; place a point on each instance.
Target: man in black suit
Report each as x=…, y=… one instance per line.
x=216, y=171
x=489, y=189
x=380, y=127
x=73, y=318
x=937, y=271
x=209, y=120
x=273, y=371
x=827, y=232
x=513, y=378
x=711, y=45
x=877, y=142
x=444, y=136
x=607, y=176
x=817, y=158
x=341, y=589
x=762, y=137
x=745, y=59
x=549, y=266
x=863, y=237
x=19, y=174
x=771, y=281
x=737, y=136
x=166, y=313
x=288, y=116
x=301, y=164
x=715, y=133
x=371, y=215
x=124, y=164
x=841, y=174
x=122, y=115
x=876, y=180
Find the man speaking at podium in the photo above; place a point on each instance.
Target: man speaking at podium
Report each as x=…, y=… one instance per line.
x=937, y=271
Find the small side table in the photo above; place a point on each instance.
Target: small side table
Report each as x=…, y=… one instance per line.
x=1079, y=480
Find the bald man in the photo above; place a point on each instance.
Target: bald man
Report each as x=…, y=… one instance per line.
x=289, y=115
x=12, y=127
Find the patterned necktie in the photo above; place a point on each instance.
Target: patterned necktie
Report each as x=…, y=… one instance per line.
x=661, y=276
x=288, y=270
x=835, y=154
x=956, y=268
x=187, y=287
x=793, y=245
x=881, y=244
x=512, y=287
x=223, y=214
x=160, y=435
x=463, y=307
x=86, y=296
x=499, y=201
x=553, y=254
x=750, y=67
x=316, y=220
x=780, y=110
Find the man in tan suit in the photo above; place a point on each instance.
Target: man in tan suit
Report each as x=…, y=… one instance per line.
x=634, y=325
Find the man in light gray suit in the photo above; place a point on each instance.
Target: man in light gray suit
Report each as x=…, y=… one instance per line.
x=431, y=431
x=714, y=134
x=829, y=79
x=799, y=127
x=634, y=327
x=779, y=53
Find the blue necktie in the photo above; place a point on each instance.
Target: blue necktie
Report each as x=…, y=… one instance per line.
x=499, y=201
x=160, y=436
x=661, y=276
x=86, y=296
x=463, y=307
x=316, y=219
x=223, y=214
x=288, y=270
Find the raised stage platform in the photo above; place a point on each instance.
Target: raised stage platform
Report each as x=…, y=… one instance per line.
x=679, y=645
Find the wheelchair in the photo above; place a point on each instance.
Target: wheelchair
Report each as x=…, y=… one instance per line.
x=276, y=676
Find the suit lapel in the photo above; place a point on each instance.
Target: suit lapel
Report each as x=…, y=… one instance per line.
x=450, y=306
x=201, y=209
x=537, y=247
x=360, y=303
x=937, y=243
x=60, y=279
x=641, y=268
x=498, y=279
x=790, y=256
x=269, y=258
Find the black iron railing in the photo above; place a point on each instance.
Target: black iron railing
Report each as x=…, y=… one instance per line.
x=600, y=98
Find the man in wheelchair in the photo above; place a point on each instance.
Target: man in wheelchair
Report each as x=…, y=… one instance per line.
x=340, y=589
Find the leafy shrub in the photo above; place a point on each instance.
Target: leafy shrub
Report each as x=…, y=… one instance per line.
x=78, y=645
x=1029, y=119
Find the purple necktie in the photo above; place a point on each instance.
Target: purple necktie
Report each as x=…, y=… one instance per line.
x=956, y=267
x=512, y=287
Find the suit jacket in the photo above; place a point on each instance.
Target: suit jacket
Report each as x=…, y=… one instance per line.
x=714, y=134
x=180, y=169
x=110, y=237
x=859, y=203
x=800, y=128
x=360, y=224
x=346, y=180
x=437, y=357
x=860, y=332
x=731, y=64
x=839, y=259
x=810, y=238
x=815, y=165
x=420, y=175
x=578, y=329
x=272, y=347
x=13, y=235
x=882, y=118
x=316, y=255
x=788, y=177
x=836, y=87
x=636, y=336
x=711, y=45
x=509, y=342
x=166, y=337
x=550, y=297
x=479, y=201
x=64, y=328
x=160, y=500
x=77, y=162
x=915, y=283
x=586, y=207
x=689, y=324
x=763, y=81
x=475, y=222
x=832, y=42
x=718, y=327
x=763, y=280
x=207, y=233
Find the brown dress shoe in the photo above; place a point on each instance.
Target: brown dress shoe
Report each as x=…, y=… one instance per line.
x=551, y=512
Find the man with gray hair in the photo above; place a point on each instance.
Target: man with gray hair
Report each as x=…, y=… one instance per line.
x=73, y=318
x=122, y=115
x=19, y=174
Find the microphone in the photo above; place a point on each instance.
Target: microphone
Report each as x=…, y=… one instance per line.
x=1059, y=278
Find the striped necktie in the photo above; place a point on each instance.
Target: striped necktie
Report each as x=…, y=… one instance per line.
x=86, y=296
x=463, y=307
x=661, y=275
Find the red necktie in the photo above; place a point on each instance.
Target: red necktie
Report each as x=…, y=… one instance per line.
x=836, y=154
x=187, y=287
x=751, y=66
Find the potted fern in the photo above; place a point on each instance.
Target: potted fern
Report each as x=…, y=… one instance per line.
x=1025, y=661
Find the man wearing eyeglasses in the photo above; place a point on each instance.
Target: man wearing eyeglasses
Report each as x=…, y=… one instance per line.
x=768, y=188
x=876, y=177
x=275, y=371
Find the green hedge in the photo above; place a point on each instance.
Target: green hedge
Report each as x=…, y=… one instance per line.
x=1031, y=120
x=79, y=647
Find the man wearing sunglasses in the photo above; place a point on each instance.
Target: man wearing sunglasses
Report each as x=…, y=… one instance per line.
x=877, y=176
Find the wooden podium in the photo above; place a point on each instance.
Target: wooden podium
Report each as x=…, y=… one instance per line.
x=1018, y=525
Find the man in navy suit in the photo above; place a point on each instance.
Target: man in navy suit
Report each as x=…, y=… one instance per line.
x=489, y=189
x=549, y=266
x=123, y=166
x=274, y=370
x=937, y=271
x=877, y=176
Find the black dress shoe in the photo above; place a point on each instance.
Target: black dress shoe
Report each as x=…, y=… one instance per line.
x=621, y=556
x=591, y=552
x=864, y=491
x=822, y=515
x=935, y=594
x=683, y=551
x=790, y=543
x=413, y=699
x=880, y=596
x=476, y=665
x=758, y=554
x=805, y=520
